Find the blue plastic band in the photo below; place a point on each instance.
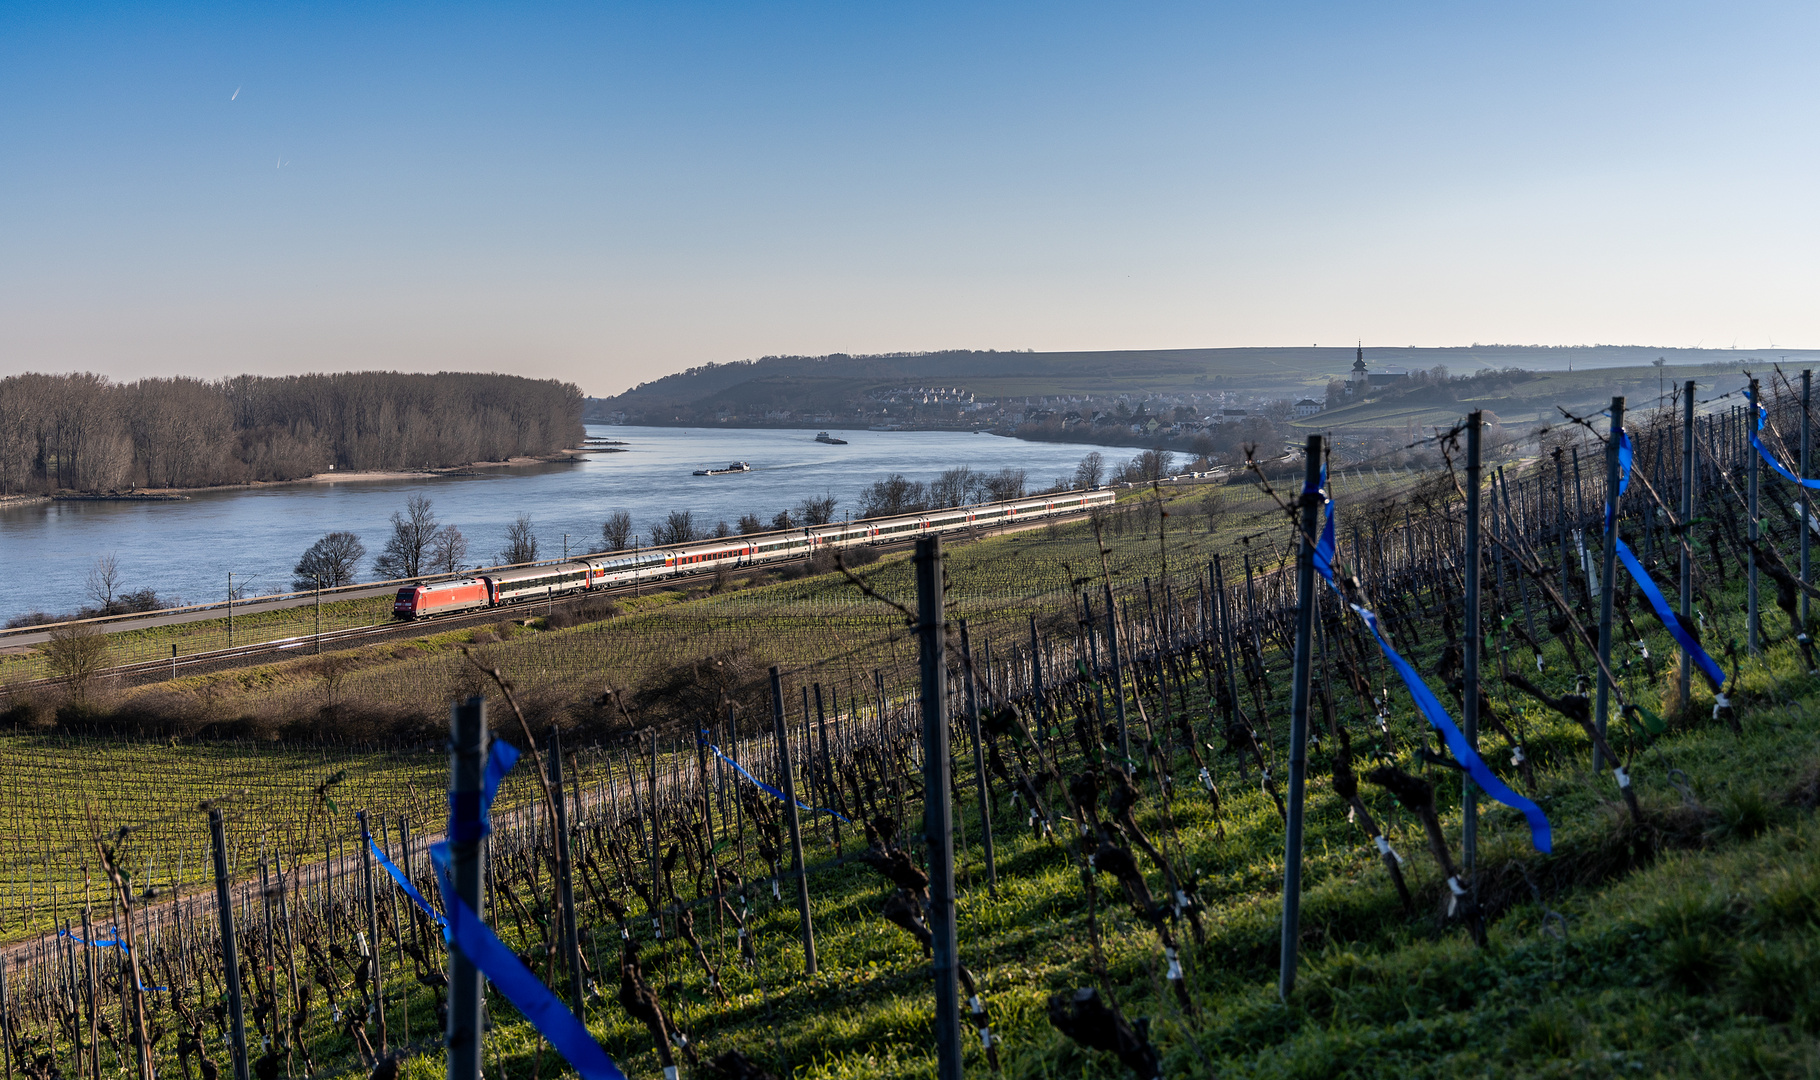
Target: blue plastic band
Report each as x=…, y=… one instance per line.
x=1671, y=620
x=701, y=737
x=114, y=944
x=508, y=974
x=1715, y=675
x=1540, y=833
x=1763, y=451
x=501, y=756
x=403, y=882
x=117, y=943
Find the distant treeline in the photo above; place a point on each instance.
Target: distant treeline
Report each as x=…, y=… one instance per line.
x=85, y=433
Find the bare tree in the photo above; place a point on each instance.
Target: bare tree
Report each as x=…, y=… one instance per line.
x=1090, y=472
x=412, y=532
x=521, y=542
x=448, y=551
x=76, y=654
x=895, y=494
x=721, y=529
x=782, y=520
x=21, y=419
x=954, y=487
x=83, y=432
x=1148, y=467
x=104, y=582
x=817, y=511
x=331, y=561
x=1007, y=483
x=616, y=532
x=749, y=524
x=678, y=528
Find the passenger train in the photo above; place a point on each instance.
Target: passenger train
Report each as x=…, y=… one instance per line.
x=502, y=587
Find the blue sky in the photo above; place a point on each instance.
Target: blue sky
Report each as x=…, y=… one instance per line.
x=609, y=192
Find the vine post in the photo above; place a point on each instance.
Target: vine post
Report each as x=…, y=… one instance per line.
x=1754, y=625
x=565, y=878
x=979, y=761
x=1470, y=642
x=1687, y=526
x=372, y=921
x=1607, y=577
x=1807, y=503
x=1307, y=514
x=230, y=958
x=467, y=768
x=795, y=821
x=938, y=824
x=6, y=1027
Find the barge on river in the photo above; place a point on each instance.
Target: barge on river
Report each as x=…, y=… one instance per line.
x=737, y=466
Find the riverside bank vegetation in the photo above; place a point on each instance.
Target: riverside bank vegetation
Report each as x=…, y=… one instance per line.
x=85, y=433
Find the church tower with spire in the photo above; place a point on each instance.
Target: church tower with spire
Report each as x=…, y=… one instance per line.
x=1360, y=380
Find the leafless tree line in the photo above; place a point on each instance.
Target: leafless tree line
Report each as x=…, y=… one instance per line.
x=959, y=486
x=82, y=432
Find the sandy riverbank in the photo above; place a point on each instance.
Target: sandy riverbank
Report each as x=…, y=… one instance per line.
x=156, y=494
x=343, y=477
x=579, y=454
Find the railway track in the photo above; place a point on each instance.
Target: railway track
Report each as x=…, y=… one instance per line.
x=146, y=672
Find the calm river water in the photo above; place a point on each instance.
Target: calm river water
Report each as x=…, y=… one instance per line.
x=186, y=549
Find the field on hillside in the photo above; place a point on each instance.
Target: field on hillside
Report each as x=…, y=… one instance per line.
x=1534, y=402
x=1678, y=938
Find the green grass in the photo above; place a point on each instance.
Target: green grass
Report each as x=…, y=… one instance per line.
x=206, y=635
x=1698, y=962
x=1684, y=947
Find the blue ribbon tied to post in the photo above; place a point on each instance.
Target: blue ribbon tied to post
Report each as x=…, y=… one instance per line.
x=701, y=737
x=470, y=819
x=1756, y=440
x=1325, y=552
x=403, y=881
x=117, y=942
x=1671, y=619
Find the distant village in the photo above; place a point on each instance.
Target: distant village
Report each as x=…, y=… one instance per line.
x=1165, y=414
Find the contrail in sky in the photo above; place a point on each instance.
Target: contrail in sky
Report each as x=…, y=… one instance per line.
x=235, y=94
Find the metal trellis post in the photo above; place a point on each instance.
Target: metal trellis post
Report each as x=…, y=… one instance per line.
x=1298, y=719
x=793, y=819
x=467, y=768
x=1469, y=641
x=1607, y=583
x=938, y=828
x=230, y=957
x=1687, y=534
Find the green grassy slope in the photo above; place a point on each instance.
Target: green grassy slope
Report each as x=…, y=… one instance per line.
x=1684, y=944
x=1681, y=945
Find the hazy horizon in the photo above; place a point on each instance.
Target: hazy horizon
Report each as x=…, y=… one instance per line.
x=610, y=195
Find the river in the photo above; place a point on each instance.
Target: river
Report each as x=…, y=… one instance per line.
x=185, y=550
